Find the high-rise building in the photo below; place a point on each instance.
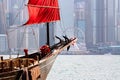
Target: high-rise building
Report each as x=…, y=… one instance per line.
x=79, y=20
x=117, y=22
x=89, y=37
x=2, y=17
x=105, y=21
x=3, y=42
x=101, y=22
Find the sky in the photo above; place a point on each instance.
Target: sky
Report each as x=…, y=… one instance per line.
x=67, y=11
x=67, y=18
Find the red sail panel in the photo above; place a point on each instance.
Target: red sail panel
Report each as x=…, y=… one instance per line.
x=41, y=11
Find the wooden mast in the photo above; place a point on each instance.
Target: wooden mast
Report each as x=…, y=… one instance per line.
x=48, y=40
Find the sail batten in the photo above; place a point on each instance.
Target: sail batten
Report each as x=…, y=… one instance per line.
x=40, y=6
x=42, y=11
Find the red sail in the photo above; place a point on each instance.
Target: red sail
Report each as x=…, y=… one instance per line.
x=41, y=11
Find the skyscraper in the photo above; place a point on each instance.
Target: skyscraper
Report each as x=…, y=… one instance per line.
x=105, y=21
x=79, y=20
x=2, y=17
x=117, y=18
x=3, y=42
x=89, y=24
x=100, y=22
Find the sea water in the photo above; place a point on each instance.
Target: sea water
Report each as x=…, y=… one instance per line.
x=86, y=67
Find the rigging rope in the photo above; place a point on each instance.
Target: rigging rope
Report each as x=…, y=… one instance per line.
x=20, y=9
x=5, y=26
x=34, y=36
x=25, y=33
x=21, y=43
x=62, y=22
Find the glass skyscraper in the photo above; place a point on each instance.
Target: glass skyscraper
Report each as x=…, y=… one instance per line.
x=3, y=42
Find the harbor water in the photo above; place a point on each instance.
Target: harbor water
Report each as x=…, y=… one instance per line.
x=86, y=67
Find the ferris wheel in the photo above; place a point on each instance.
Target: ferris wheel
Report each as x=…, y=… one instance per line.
x=80, y=34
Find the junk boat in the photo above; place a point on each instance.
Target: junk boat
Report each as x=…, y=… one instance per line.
x=36, y=65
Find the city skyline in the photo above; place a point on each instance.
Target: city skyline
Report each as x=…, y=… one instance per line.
x=93, y=22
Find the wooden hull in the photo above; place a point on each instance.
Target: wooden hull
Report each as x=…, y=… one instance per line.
x=43, y=67
x=46, y=66
x=37, y=70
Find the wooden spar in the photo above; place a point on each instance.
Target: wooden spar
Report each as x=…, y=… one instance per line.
x=11, y=65
x=1, y=58
x=19, y=63
x=40, y=6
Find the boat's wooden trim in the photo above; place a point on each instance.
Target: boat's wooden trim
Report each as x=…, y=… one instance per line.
x=8, y=78
x=11, y=75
